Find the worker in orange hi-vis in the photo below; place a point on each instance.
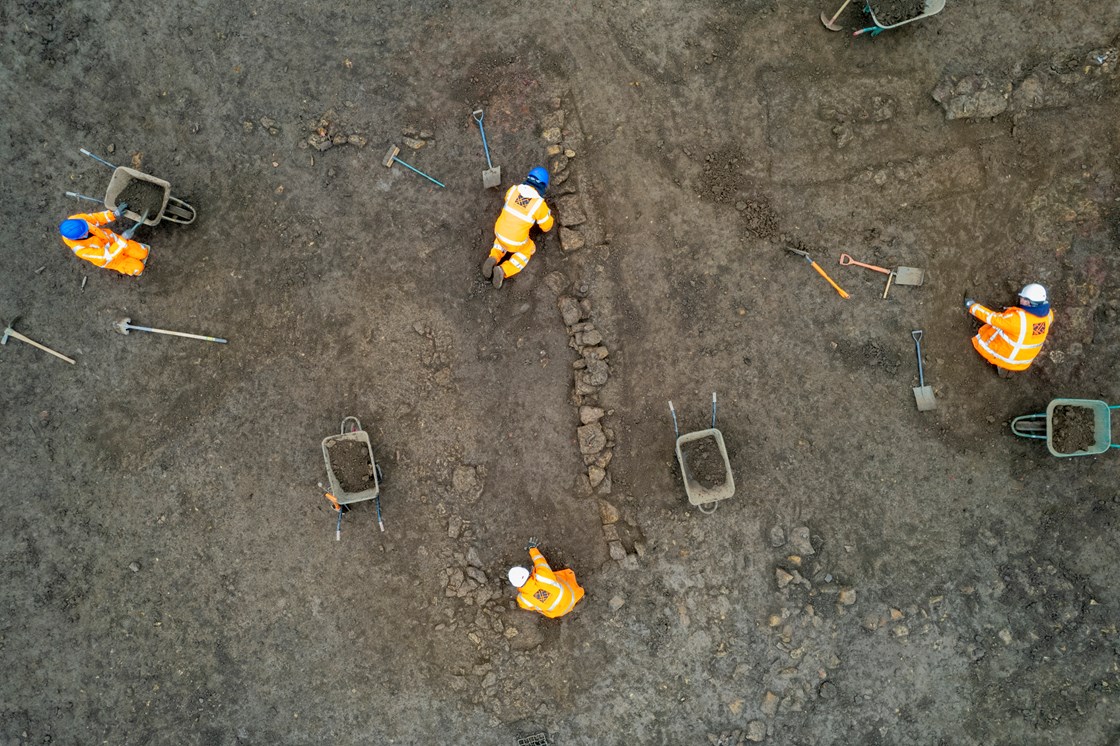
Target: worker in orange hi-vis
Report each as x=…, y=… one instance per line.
x=524, y=207
x=1012, y=339
x=553, y=594
x=88, y=240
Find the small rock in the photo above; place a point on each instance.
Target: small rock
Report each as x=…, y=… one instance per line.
x=784, y=578
x=618, y=552
x=896, y=614
x=414, y=143
x=587, y=415
x=569, y=153
x=571, y=240
x=553, y=119
x=476, y=575
x=756, y=731
x=320, y=142
x=610, y=533
x=605, y=485
x=591, y=438
x=794, y=560
x=454, y=526
x=591, y=338
x=777, y=537
x=571, y=211
x=557, y=282
x=569, y=310
x=595, y=353
x=339, y=139
x=608, y=513
x=597, y=372
x=799, y=540
x=827, y=690
x=596, y=475
x=426, y=134
x=604, y=459
x=774, y=620
x=134, y=566
x=552, y=150
x=473, y=559
x=552, y=135
x=357, y=140
x=617, y=603
x=847, y=597
x=113, y=148
x=269, y=124
x=871, y=622
x=246, y=125
x=769, y=704
x=901, y=631
x=1004, y=634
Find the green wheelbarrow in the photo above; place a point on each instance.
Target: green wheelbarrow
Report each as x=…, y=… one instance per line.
x=1041, y=426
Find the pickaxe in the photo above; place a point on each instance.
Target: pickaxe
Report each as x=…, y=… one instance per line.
x=10, y=332
x=820, y=271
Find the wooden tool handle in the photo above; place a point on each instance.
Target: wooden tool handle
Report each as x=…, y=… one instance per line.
x=822, y=273
x=33, y=343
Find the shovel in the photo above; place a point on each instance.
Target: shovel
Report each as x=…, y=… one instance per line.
x=125, y=325
x=492, y=176
x=900, y=276
x=923, y=395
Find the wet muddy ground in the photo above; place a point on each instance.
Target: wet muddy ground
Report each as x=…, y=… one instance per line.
x=169, y=567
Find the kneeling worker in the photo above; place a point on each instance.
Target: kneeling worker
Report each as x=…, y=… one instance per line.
x=1012, y=339
x=88, y=240
x=524, y=207
x=553, y=594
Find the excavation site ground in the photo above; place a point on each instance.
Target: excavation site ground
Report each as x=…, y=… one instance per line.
x=169, y=569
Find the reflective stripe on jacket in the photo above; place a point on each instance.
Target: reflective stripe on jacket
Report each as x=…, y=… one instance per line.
x=524, y=207
x=552, y=594
x=102, y=245
x=1011, y=339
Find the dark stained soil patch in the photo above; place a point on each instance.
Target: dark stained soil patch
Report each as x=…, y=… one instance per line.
x=889, y=12
x=1072, y=429
x=704, y=462
x=141, y=197
x=351, y=465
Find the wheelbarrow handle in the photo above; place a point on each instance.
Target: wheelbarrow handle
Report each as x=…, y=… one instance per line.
x=97, y=158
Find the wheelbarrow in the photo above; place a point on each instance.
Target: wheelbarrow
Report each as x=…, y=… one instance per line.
x=351, y=432
x=706, y=497
x=931, y=7
x=1041, y=426
x=171, y=209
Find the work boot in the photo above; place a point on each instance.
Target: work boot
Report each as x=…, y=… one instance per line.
x=498, y=278
x=488, y=267
x=1004, y=372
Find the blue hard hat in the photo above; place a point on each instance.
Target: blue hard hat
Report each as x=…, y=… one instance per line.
x=74, y=228
x=537, y=178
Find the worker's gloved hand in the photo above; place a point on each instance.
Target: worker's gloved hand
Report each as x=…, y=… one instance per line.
x=968, y=303
x=532, y=544
x=121, y=207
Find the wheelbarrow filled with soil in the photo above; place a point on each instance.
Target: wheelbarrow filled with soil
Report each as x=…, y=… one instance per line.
x=148, y=198
x=353, y=474
x=705, y=467
x=890, y=14
x=1070, y=427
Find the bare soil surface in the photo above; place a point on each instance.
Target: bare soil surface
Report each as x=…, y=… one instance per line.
x=1074, y=429
x=168, y=566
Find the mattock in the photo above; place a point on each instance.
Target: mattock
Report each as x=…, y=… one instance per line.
x=10, y=332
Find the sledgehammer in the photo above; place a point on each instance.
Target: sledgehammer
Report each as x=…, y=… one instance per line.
x=391, y=157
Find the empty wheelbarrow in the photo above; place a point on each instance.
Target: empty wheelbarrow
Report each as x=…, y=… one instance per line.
x=705, y=467
x=352, y=451
x=929, y=8
x=164, y=207
x=1095, y=426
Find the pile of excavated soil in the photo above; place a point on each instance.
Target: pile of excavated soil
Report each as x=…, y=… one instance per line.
x=704, y=462
x=141, y=197
x=351, y=465
x=1072, y=429
x=890, y=12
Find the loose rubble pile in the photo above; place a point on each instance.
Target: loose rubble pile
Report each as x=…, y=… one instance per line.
x=1050, y=85
x=328, y=132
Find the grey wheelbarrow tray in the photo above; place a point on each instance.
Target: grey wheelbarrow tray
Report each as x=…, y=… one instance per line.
x=705, y=498
x=1040, y=426
x=172, y=209
x=361, y=436
x=932, y=7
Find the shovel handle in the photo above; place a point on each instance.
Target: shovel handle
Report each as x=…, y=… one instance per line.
x=837, y=288
x=851, y=261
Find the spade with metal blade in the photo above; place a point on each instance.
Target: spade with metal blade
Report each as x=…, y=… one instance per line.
x=492, y=176
x=923, y=395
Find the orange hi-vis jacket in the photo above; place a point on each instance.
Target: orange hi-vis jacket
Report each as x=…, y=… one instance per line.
x=524, y=208
x=104, y=248
x=553, y=594
x=1011, y=339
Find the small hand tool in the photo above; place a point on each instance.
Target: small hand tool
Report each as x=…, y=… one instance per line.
x=821, y=272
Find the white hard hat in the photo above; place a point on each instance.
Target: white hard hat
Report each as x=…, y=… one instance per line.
x=517, y=576
x=1034, y=292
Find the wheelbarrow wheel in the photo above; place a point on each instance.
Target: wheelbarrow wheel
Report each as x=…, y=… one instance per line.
x=705, y=510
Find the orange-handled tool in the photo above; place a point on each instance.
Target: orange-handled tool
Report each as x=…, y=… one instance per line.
x=821, y=272
x=846, y=259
